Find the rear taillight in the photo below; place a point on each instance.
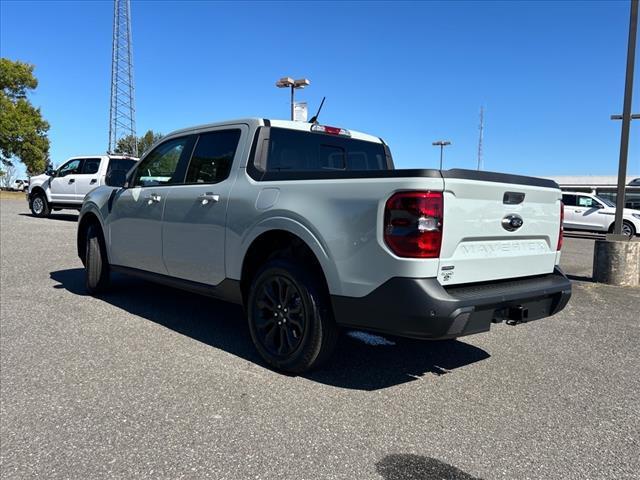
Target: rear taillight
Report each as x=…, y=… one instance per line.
x=413, y=224
x=561, y=234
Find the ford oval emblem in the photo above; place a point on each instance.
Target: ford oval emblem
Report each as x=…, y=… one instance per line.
x=512, y=222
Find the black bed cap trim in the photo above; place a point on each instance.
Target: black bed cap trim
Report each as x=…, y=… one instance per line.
x=346, y=174
x=456, y=173
x=481, y=175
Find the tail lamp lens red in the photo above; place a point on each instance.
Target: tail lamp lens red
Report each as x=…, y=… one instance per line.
x=561, y=234
x=413, y=224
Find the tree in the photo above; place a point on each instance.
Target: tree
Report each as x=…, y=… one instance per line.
x=23, y=131
x=8, y=176
x=125, y=144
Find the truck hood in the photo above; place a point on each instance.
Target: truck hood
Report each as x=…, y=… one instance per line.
x=38, y=179
x=625, y=211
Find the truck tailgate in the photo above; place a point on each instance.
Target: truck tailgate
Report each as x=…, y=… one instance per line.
x=497, y=230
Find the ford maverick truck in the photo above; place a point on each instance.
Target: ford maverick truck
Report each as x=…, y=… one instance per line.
x=312, y=229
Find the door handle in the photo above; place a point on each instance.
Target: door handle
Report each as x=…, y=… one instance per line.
x=93, y=180
x=577, y=211
x=71, y=180
x=205, y=198
x=153, y=198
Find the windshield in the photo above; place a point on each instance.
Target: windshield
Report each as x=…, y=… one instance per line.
x=606, y=201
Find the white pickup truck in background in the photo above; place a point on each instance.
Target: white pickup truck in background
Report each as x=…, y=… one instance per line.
x=67, y=186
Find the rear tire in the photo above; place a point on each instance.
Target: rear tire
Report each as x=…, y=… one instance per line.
x=39, y=205
x=290, y=317
x=95, y=262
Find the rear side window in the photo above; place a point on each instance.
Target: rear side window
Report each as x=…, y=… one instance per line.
x=212, y=158
x=569, y=200
x=124, y=164
x=296, y=151
x=90, y=166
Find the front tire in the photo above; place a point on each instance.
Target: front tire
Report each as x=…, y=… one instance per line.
x=95, y=262
x=290, y=317
x=628, y=229
x=39, y=205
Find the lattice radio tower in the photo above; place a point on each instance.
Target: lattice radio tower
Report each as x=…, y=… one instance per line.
x=481, y=128
x=122, y=113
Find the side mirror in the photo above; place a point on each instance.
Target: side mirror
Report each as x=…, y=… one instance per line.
x=116, y=178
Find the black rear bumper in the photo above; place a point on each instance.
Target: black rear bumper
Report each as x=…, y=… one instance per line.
x=422, y=308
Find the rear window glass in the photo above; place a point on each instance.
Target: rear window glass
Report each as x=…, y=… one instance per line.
x=124, y=164
x=91, y=166
x=569, y=200
x=296, y=151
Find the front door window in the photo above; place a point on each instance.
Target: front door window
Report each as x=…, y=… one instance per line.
x=587, y=202
x=159, y=167
x=69, y=168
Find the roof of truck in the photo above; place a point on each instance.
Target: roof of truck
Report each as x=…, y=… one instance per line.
x=102, y=155
x=258, y=122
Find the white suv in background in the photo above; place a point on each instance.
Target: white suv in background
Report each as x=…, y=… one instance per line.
x=584, y=211
x=68, y=185
x=20, y=185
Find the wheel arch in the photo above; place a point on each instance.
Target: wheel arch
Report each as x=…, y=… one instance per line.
x=86, y=219
x=304, y=248
x=634, y=224
x=36, y=190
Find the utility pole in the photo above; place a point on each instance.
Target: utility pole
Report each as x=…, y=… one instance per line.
x=615, y=260
x=480, y=138
x=441, y=144
x=626, y=117
x=122, y=112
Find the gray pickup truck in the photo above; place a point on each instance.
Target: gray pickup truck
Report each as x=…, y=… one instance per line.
x=311, y=228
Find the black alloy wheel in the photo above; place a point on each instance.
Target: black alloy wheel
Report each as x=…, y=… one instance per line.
x=279, y=316
x=290, y=316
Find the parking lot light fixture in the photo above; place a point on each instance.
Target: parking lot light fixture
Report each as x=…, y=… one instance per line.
x=441, y=144
x=288, y=82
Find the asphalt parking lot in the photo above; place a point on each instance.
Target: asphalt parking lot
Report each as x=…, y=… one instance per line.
x=148, y=382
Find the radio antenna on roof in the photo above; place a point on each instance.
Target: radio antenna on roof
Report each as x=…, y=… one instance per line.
x=314, y=119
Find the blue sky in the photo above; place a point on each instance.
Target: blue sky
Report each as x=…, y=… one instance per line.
x=548, y=73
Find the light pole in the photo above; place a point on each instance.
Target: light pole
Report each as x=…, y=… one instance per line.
x=288, y=82
x=441, y=144
x=626, y=118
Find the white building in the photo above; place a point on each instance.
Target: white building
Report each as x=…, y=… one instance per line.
x=602, y=185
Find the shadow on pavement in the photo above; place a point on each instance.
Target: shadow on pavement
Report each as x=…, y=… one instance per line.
x=578, y=278
x=354, y=365
x=68, y=217
x=417, y=467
